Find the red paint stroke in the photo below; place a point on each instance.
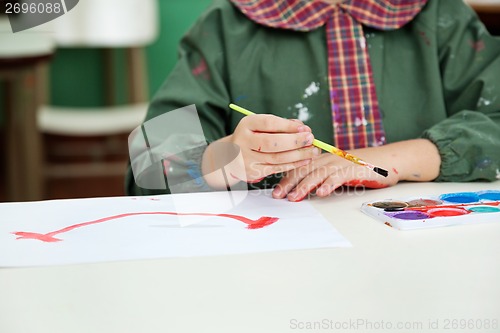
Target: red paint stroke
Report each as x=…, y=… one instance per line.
x=261, y=222
x=395, y=171
x=366, y=183
x=201, y=69
x=246, y=181
x=477, y=46
x=300, y=199
x=255, y=180
x=425, y=38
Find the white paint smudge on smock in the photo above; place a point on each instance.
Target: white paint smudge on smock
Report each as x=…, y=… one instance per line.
x=302, y=112
x=360, y=122
x=312, y=89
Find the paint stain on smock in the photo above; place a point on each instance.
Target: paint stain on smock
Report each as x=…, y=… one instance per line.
x=302, y=111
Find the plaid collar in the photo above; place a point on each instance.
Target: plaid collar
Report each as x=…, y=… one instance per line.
x=355, y=112
x=306, y=15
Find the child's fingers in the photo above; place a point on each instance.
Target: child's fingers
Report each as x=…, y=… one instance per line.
x=281, y=142
x=269, y=123
x=269, y=169
x=319, y=169
x=330, y=184
x=319, y=166
x=286, y=157
x=305, y=186
x=323, y=182
x=303, y=128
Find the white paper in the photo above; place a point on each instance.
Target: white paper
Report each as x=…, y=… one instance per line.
x=155, y=235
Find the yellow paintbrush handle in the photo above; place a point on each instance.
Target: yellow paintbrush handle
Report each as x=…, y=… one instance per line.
x=324, y=146
x=240, y=109
x=338, y=152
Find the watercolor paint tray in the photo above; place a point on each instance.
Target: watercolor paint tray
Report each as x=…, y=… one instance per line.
x=436, y=211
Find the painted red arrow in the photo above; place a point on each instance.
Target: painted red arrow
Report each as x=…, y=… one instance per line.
x=49, y=237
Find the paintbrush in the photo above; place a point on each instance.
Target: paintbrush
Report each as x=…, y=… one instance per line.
x=329, y=148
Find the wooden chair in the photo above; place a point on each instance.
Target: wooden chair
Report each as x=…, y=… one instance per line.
x=23, y=60
x=108, y=25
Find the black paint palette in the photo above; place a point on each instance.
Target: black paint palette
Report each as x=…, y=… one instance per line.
x=436, y=211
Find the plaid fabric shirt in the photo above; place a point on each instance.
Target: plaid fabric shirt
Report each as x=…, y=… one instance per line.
x=355, y=112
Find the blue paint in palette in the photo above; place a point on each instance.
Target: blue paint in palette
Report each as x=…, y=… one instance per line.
x=461, y=197
x=474, y=207
x=490, y=195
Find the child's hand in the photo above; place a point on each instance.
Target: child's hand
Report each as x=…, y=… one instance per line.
x=270, y=144
x=267, y=144
x=412, y=160
x=325, y=174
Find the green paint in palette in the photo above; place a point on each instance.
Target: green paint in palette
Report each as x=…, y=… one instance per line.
x=484, y=209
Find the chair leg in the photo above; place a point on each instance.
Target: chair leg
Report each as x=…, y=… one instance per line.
x=137, y=83
x=24, y=142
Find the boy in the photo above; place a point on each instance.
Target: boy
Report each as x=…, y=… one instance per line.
x=411, y=86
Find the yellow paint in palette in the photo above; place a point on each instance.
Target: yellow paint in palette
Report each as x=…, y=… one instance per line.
x=325, y=146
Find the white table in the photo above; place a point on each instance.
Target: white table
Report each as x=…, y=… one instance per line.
x=389, y=277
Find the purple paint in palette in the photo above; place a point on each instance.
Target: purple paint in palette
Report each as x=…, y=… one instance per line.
x=436, y=211
x=411, y=215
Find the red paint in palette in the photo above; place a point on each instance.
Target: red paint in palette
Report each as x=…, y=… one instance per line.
x=261, y=222
x=445, y=212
